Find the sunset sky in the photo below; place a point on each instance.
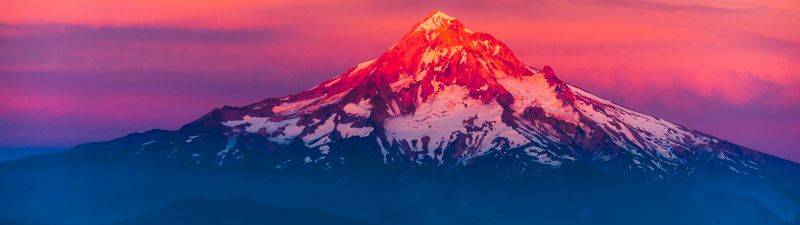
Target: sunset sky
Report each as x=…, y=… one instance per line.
x=90, y=70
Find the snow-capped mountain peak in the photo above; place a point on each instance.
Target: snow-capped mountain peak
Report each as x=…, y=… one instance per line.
x=446, y=96
x=437, y=20
x=436, y=53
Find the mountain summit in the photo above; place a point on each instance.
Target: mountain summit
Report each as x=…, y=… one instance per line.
x=438, y=51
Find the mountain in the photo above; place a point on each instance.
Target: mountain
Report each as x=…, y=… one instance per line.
x=450, y=121
x=15, y=153
x=443, y=96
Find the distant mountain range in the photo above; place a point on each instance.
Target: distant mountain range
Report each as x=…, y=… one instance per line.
x=451, y=113
x=15, y=153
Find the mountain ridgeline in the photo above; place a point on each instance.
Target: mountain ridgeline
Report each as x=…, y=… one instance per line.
x=446, y=124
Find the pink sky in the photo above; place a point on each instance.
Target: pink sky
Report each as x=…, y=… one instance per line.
x=89, y=70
